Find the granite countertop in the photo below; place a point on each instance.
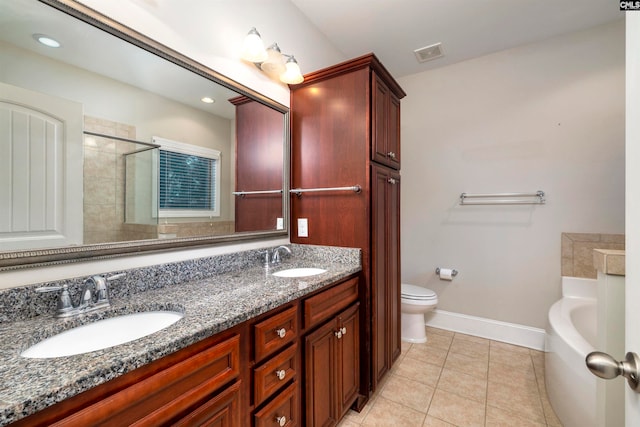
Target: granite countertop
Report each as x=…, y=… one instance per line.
x=210, y=305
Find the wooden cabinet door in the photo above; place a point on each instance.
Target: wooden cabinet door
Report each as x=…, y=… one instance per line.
x=393, y=264
x=348, y=358
x=385, y=143
x=385, y=278
x=220, y=411
x=380, y=340
x=320, y=376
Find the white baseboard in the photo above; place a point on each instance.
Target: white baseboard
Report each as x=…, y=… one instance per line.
x=496, y=330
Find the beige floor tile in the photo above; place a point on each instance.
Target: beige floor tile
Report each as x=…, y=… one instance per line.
x=435, y=422
x=497, y=345
x=471, y=338
x=358, y=417
x=346, y=422
x=439, y=341
x=433, y=355
x=463, y=385
x=506, y=374
x=497, y=417
x=418, y=370
x=470, y=348
x=413, y=394
x=432, y=330
x=522, y=398
x=549, y=414
x=476, y=367
x=456, y=410
x=385, y=413
x=501, y=355
x=404, y=347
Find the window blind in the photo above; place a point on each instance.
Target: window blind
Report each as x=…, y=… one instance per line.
x=187, y=181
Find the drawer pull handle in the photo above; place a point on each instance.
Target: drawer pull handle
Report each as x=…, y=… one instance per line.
x=281, y=421
x=391, y=181
x=338, y=333
x=343, y=330
x=281, y=373
x=391, y=155
x=282, y=332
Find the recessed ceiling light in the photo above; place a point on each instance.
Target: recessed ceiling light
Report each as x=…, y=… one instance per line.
x=208, y=100
x=46, y=40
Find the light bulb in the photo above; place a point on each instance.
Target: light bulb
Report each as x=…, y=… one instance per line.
x=253, y=48
x=292, y=74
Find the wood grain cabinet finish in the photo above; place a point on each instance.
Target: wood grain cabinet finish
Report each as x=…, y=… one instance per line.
x=275, y=332
x=273, y=374
x=332, y=369
x=385, y=277
x=282, y=411
x=345, y=123
x=324, y=305
x=190, y=384
x=385, y=127
x=259, y=159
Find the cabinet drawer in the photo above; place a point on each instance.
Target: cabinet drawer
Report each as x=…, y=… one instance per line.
x=284, y=405
x=222, y=410
x=159, y=398
x=275, y=332
x=326, y=304
x=274, y=373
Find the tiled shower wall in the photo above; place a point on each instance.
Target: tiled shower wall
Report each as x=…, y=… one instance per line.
x=577, y=251
x=104, y=183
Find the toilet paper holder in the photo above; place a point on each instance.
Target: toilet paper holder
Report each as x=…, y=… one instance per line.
x=454, y=272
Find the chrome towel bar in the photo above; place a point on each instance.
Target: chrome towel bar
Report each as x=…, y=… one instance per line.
x=299, y=191
x=536, y=198
x=243, y=193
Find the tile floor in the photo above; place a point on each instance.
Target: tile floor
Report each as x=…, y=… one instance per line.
x=460, y=380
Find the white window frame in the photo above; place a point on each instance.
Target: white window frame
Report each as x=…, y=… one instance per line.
x=194, y=150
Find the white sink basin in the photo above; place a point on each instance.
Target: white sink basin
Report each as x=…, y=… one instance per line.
x=299, y=272
x=102, y=334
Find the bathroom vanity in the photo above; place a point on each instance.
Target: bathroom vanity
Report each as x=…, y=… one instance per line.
x=249, y=350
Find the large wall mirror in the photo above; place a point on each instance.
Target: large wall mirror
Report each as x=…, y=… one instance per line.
x=112, y=143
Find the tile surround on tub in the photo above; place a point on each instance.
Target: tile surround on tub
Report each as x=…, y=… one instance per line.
x=577, y=251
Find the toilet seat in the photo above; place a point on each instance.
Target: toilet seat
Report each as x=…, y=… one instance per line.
x=417, y=293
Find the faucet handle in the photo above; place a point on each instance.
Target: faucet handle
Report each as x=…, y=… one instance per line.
x=64, y=300
x=115, y=277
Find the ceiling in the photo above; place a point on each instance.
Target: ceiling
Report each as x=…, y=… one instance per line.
x=393, y=29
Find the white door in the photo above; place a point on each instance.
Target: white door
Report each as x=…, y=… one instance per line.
x=632, y=227
x=40, y=170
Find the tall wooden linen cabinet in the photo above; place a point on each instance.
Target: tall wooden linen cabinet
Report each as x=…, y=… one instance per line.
x=345, y=132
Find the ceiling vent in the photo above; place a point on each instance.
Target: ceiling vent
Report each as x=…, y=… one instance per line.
x=429, y=53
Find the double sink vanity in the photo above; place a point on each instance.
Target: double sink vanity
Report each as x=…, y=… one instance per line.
x=247, y=342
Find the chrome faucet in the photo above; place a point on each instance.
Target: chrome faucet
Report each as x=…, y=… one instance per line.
x=273, y=257
x=93, y=296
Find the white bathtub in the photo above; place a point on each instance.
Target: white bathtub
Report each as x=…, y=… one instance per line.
x=570, y=336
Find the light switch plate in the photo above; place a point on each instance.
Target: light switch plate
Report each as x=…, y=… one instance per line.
x=279, y=223
x=303, y=227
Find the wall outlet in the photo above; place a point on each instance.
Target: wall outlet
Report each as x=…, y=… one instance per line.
x=303, y=227
x=279, y=223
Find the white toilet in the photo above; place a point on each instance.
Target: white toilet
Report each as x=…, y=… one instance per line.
x=415, y=302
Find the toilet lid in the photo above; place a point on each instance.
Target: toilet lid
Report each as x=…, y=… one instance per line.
x=417, y=292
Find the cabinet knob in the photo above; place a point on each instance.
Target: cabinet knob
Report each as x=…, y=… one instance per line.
x=391, y=180
x=282, y=332
x=281, y=373
x=281, y=421
x=343, y=330
x=391, y=155
x=338, y=333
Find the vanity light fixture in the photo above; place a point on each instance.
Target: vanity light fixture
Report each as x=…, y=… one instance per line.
x=46, y=40
x=271, y=60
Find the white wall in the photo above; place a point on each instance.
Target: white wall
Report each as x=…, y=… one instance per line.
x=545, y=116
